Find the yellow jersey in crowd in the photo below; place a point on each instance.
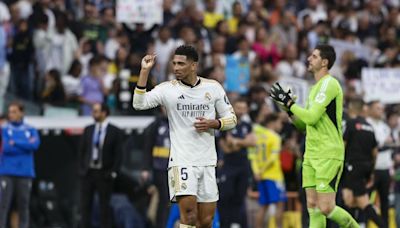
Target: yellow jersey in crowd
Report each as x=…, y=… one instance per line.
x=264, y=157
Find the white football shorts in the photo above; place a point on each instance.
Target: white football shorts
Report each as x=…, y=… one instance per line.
x=199, y=181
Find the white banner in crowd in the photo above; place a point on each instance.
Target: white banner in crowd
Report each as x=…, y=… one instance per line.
x=359, y=50
x=298, y=87
x=140, y=11
x=381, y=84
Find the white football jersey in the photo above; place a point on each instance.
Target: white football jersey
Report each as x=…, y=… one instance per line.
x=183, y=104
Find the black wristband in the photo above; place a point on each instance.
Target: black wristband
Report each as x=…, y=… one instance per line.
x=291, y=102
x=220, y=124
x=140, y=87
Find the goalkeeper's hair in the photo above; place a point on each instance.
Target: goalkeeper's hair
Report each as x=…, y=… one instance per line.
x=327, y=52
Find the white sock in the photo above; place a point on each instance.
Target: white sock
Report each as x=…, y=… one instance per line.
x=185, y=226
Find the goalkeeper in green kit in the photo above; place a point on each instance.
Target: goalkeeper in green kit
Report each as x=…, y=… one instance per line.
x=324, y=155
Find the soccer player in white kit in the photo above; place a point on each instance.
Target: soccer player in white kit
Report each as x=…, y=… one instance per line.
x=196, y=107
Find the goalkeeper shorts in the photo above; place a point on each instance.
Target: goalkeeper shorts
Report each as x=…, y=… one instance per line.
x=323, y=174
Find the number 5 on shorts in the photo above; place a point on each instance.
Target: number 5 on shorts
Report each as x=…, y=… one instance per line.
x=184, y=174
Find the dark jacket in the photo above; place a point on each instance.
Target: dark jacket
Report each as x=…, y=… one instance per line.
x=111, y=149
x=156, y=140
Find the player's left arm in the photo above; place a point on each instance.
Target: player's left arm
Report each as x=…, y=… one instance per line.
x=327, y=92
x=227, y=117
x=224, y=110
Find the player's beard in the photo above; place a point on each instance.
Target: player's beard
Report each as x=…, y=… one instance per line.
x=310, y=68
x=179, y=76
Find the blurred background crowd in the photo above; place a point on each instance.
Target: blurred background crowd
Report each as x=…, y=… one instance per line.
x=59, y=57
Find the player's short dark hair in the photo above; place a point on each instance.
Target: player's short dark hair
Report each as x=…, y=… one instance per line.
x=272, y=117
x=189, y=51
x=17, y=104
x=327, y=52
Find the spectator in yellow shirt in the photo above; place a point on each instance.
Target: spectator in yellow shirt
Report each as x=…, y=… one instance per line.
x=211, y=17
x=266, y=166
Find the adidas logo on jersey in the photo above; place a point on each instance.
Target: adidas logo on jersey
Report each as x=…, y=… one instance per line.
x=181, y=97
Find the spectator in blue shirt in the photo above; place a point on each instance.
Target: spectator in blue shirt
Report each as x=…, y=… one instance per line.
x=19, y=142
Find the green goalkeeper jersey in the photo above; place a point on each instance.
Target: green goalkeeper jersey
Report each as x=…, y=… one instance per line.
x=322, y=118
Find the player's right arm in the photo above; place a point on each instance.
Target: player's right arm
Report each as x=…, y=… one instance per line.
x=298, y=123
x=141, y=99
x=327, y=92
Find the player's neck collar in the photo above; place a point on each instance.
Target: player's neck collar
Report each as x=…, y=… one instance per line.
x=322, y=75
x=191, y=86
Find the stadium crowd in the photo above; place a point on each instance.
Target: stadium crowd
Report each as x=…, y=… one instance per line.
x=73, y=54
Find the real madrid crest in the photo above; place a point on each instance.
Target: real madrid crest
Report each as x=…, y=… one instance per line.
x=183, y=186
x=207, y=96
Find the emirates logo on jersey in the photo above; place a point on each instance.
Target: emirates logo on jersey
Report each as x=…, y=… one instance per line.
x=192, y=110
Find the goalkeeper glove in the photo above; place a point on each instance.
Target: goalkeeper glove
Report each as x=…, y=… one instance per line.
x=282, y=97
x=285, y=109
